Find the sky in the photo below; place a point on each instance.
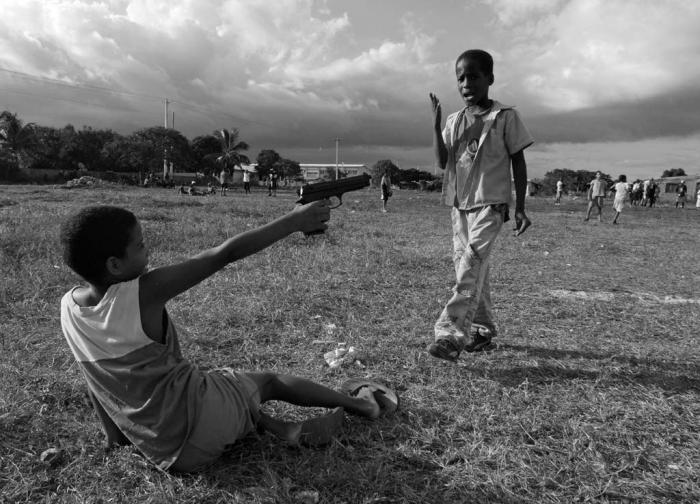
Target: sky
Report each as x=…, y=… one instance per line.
x=608, y=85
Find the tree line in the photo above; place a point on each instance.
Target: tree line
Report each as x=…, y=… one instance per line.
x=26, y=146
x=31, y=146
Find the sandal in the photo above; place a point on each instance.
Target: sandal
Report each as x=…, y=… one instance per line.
x=387, y=399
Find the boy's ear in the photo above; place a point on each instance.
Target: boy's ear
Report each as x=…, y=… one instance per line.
x=113, y=265
x=492, y=79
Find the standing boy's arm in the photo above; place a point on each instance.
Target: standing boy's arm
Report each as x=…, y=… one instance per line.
x=439, y=147
x=162, y=284
x=520, y=179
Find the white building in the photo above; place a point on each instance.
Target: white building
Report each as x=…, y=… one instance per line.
x=668, y=186
x=316, y=172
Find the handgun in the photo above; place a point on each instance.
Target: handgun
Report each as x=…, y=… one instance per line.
x=331, y=189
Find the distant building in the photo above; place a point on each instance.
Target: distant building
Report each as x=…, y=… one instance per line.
x=668, y=186
x=316, y=172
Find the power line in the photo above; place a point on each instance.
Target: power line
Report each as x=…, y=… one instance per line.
x=62, y=99
x=89, y=87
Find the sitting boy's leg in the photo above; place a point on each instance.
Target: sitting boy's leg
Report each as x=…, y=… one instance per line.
x=303, y=392
x=312, y=432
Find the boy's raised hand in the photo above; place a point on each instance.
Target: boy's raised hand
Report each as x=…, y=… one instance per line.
x=437, y=110
x=312, y=216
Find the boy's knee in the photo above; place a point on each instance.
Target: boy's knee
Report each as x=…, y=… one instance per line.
x=266, y=382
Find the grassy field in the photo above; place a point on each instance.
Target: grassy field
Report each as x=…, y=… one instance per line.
x=591, y=394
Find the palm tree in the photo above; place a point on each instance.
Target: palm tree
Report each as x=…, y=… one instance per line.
x=230, y=154
x=15, y=137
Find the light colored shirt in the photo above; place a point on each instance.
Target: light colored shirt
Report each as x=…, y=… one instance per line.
x=598, y=188
x=560, y=186
x=621, y=190
x=246, y=176
x=150, y=392
x=479, y=148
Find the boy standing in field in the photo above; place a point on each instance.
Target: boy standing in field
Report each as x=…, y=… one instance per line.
x=143, y=390
x=477, y=149
x=596, y=195
x=560, y=190
x=681, y=192
x=621, y=191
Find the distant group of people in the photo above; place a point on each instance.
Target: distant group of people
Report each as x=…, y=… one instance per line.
x=640, y=193
x=224, y=182
x=153, y=180
x=644, y=193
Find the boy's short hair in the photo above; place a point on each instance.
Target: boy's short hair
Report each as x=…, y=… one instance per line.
x=480, y=56
x=92, y=235
x=623, y=178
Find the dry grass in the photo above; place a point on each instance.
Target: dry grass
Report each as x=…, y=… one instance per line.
x=590, y=396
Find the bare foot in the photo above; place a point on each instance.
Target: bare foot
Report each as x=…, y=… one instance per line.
x=367, y=405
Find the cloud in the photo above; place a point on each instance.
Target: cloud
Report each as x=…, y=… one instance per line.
x=300, y=72
x=576, y=54
x=657, y=116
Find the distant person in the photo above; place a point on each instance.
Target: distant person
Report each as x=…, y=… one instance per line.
x=246, y=181
x=223, y=181
x=477, y=148
x=645, y=186
x=144, y=391
x=652, y=192
x=560, y=190
x=697, y=198
x=182, y=189
x=385, y=184
x=681, y=193
x=621, y=190
x=272, y=183
x=636, y=194
x=596, y=195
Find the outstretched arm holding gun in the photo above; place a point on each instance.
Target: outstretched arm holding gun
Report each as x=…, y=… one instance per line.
x=331, y=189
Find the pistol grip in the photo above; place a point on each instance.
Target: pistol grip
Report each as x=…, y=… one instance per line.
x=313, y=233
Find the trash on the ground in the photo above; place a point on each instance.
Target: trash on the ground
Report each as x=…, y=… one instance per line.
x=306, y=497
x=342, y=356
x=52, y=456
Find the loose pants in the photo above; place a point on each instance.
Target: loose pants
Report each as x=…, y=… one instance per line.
x=474, y=233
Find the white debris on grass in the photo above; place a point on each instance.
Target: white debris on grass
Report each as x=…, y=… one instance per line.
x=644, y=297
x=87, y=181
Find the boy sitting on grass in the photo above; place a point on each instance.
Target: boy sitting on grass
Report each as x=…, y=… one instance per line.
x=143, y=390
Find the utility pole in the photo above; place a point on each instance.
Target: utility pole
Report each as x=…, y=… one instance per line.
x=165, y=153
x=337, y=147
x=173, y=123
x=165, y=116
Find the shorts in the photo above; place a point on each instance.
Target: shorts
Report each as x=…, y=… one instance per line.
x=229, y=411
x=386, y=193
x=597, y=201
